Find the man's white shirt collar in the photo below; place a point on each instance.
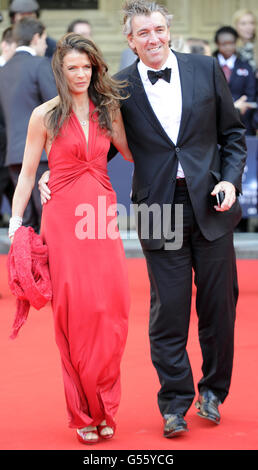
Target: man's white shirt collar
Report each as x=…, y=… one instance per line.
x=229, y=62
x=26, y=49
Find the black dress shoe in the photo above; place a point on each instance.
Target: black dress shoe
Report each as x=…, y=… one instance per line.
x=207, y=405
x=174, y=425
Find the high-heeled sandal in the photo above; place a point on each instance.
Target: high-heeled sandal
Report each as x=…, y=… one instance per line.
x=105, y=431
x=83, y=435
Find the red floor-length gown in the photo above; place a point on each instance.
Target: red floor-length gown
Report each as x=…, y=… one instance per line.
x=88, y=273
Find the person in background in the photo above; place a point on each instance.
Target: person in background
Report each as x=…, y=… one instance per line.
x=245, y=23
x=127, y=58
x=29, y=8
x=8, y=47
x=239, y=74
x=18, y=98
x=197, y=46
x=82, y=27
x=241, y=82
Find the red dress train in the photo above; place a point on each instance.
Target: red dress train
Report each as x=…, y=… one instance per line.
x=88, y=273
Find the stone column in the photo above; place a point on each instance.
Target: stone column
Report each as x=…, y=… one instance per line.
x=110, y=5
x=113, y=9
x=3, y=5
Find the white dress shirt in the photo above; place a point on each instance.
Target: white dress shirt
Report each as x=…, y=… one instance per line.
x=230, y=62
x=165, y=99
x=26, y=49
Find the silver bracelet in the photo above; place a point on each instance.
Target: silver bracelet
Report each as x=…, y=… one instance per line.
x=14, y=223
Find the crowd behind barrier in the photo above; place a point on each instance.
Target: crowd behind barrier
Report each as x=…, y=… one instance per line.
x=237, y=54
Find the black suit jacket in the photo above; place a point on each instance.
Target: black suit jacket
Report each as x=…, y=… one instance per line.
x=210, y=147
x=51, y=47
x=26, y=81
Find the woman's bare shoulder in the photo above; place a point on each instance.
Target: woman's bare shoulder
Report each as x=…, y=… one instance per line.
x=41, y=111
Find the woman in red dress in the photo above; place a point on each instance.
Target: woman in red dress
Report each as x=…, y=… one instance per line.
x=86, y=257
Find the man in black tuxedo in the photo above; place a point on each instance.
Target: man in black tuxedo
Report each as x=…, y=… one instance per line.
x=188, y=145
x=26, y=81
x=174, y=123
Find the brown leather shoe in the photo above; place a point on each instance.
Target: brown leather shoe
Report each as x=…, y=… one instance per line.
x=174, y=425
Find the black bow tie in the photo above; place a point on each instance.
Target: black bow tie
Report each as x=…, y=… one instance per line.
x=154, y=76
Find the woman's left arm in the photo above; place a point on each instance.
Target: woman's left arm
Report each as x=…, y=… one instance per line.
x=35, y=142
x=119, y=139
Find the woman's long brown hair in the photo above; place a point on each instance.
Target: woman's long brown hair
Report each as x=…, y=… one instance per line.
x=104, y=91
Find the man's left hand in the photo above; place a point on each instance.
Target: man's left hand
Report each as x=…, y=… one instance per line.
x=230, y=195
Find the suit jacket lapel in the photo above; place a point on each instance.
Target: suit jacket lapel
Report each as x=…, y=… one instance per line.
x=141, y=100
x=187, y=86
x=187, y=83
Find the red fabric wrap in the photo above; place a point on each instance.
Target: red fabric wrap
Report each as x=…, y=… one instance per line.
x=28, y=274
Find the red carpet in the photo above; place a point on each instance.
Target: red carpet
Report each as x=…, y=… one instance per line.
x=32, y=406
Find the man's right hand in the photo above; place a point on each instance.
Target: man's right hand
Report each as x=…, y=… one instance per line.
x=43, y=187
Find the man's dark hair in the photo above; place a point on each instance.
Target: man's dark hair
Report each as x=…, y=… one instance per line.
x=25, y=29
x=71, y=26
x=225, y=30
x=7, y=35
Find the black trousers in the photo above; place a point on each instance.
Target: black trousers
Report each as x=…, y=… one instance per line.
x=170, y=273
x=33, y=211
